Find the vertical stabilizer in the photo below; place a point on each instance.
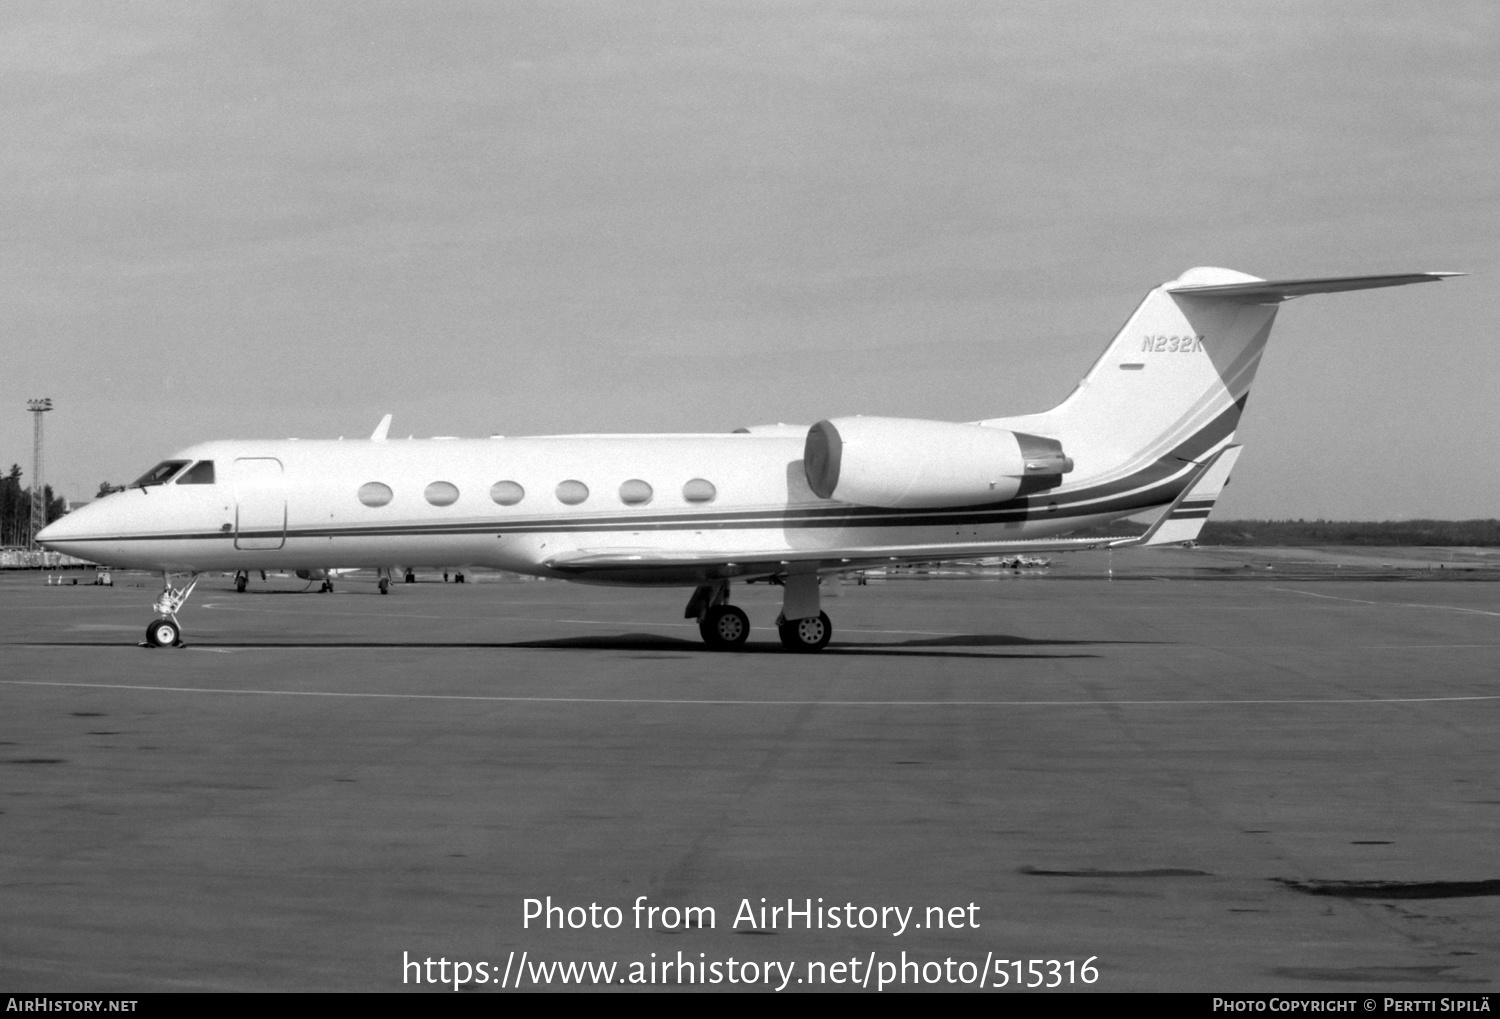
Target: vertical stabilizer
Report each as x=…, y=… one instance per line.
x=1172, y=382
x=1170, y=387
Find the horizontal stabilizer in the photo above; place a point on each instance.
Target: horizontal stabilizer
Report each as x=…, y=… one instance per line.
x=1189, y=511
x=1272, y=291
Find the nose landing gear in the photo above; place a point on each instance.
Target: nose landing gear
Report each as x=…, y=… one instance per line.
x=166, y=631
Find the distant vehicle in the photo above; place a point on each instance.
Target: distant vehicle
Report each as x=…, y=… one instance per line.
x=327, y=576
x=1021, y=562
x=1150, y=428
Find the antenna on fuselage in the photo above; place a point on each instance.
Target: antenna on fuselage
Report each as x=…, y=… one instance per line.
x=378, y=435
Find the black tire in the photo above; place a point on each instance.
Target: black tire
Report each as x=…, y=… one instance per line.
x=240, y=583
x=163, y=633
x=385, y=585
x=810, y=634
x=725, y=628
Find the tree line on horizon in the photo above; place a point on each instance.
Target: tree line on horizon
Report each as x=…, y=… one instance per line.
x=1296, y=533
x=1351, y=532
x=15, y=508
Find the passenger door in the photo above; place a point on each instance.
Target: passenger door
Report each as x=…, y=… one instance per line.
x=260, y=504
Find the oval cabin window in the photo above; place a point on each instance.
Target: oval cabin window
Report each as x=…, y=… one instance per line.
x=635, y=492
x=441, y=493
x=572, y=493
x=373, y=493
x=507, y=493
x=699, y=490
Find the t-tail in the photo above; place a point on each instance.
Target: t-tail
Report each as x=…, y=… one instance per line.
x=1167, y=393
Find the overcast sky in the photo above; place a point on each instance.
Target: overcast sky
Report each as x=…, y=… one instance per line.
x=237, y=220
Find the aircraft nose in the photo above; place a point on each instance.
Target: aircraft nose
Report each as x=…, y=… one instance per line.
x=52, y=532
x=63, y=529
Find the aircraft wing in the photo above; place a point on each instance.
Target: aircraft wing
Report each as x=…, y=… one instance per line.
x=585, y=561
x=1181, y=521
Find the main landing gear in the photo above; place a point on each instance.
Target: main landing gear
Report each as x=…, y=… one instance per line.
x=725, y=627
x=802, y=625
x=810, y=634
x=165, y=631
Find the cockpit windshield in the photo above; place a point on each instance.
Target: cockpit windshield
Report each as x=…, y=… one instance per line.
x=201, y=473
x=160, y=474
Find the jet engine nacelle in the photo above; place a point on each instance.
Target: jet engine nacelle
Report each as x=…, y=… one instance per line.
x=900, y=463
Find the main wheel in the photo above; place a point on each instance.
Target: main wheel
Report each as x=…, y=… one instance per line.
x=810, y=634
x=725, y=627
x=162, y=633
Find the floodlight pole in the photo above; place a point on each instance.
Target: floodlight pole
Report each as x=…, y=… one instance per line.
x=38, y=492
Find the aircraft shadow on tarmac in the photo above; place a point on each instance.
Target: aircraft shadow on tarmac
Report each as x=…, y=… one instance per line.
x=931, y=648
x=950, y=646
x=991, y=640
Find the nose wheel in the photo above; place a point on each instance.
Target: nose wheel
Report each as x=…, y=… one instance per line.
x=163, y=633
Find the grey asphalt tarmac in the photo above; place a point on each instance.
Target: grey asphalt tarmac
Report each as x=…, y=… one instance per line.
x=1275, y=785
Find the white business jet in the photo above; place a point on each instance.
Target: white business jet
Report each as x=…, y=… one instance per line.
x=1150, y=427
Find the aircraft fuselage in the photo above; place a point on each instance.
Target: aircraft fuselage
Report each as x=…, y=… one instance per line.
x=519, y=504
